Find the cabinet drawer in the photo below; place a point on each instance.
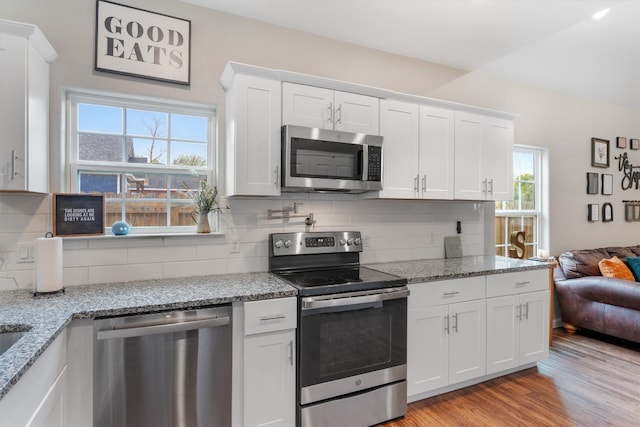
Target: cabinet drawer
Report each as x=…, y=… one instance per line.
x=446, y=292
x=269, y=315
x=517, y=283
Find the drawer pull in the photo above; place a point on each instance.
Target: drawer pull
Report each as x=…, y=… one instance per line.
x=274, y=317
x=450, y=293
x=520, y=284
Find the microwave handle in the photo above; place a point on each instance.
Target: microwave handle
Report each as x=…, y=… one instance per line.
x=363, y=162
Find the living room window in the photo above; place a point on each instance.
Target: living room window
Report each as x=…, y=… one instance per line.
x=146, y=156
x=524, y=212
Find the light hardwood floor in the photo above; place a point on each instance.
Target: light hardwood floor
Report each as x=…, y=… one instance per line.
x=588, y=380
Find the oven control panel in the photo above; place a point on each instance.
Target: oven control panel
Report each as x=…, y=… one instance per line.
x=314, y=242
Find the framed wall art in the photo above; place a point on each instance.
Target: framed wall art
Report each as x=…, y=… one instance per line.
x=140, y=43
x=78, y=214
x=634, y=144
x=621, y=142
x=592, y=183
x=607, y=184
x=599, y=153
x=607, y=212
x=593, y=213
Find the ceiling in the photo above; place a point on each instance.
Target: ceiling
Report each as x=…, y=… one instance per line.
x=553, y=44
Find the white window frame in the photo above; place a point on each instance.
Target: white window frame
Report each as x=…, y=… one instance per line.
x=75, y=97
x=539, y=211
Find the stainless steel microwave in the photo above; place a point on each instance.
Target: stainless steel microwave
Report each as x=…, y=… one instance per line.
x=316, y=159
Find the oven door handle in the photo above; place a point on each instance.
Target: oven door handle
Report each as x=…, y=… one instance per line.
x=352, y=298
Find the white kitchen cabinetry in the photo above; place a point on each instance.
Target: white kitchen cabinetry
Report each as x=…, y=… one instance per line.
x=25, y=55
x=38, y=399
x=318, y=107
x=253, y=135
x=446, y=341
x=517, y=319
x=264, y=384
x=418, y=150
x=400, y=127
x=483, y=157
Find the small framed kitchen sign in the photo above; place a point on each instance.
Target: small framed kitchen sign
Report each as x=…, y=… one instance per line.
x=140, y=43
x=78, y=214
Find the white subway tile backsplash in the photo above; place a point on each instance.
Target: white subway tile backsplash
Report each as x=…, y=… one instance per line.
x=124, y=273
x=195, y=268
x=91, y=257
x=394, y=230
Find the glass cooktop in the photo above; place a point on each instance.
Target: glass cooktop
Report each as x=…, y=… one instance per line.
x=344, y=279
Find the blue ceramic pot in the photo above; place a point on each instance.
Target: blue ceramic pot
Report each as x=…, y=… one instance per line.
x=120, y=228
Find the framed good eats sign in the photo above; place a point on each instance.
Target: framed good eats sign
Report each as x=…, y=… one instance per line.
x=140, y=43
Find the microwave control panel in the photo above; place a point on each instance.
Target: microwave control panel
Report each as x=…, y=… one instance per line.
x=374, y=172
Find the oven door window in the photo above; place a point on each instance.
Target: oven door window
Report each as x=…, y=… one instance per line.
x=323, y=159
x=345, y=341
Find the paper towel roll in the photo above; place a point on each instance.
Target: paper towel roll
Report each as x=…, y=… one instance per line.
x=48, y=264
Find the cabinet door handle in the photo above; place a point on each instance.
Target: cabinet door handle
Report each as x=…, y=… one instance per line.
x=277, y=177
x=446, y=324
x=339, y=115
x=424, y=183
x=13, y=164
x=484, y=186
x=291, y=352
x=455, y=322
x=330, y=111
x=450, y=293
x=519, y=315
x=415, y=183
x=526, y=311
x=273, y=317
x=490, y=186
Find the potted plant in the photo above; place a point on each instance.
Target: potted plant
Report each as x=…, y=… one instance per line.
x=204, y=201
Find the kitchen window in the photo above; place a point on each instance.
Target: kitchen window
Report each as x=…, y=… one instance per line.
x=146, y=156
x=523, y=213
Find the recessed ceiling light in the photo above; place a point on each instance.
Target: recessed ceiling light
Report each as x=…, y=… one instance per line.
x=600, y=14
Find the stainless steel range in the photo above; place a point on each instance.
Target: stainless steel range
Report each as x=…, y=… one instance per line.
x=352, y=330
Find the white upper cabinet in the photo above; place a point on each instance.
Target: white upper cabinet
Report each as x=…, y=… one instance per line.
x=399, y=126
x=436, y=152
x=253, y=136
x=25, y=55
x=498, y=137
x=483, y=157
x=418, y=150
x=318, y=107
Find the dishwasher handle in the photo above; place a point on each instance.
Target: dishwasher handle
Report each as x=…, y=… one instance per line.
x=166, y=328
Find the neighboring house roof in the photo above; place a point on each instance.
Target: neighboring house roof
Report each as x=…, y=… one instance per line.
x=106, y=148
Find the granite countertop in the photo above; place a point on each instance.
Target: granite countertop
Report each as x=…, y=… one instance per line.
x=429, y=270
x=46, y=316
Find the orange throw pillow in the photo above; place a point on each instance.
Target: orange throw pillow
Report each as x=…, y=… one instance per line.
x=614, y=267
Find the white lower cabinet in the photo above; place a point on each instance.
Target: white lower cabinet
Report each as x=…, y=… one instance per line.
x=465, y=331
x=445, y=341
x=38, y=399
x=517, y=323
x=264, y=382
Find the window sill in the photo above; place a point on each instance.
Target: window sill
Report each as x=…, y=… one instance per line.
x=143, y=235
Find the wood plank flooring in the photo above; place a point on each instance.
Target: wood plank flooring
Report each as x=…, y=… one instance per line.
x=588, y=380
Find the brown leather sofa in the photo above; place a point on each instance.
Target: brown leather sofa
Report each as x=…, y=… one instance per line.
x=590, y=301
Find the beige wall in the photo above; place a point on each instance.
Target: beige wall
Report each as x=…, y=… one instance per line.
x=561, y=123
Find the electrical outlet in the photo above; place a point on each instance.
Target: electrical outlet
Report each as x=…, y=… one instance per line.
x=25, y=252
x=366, y=241
x=234, y=243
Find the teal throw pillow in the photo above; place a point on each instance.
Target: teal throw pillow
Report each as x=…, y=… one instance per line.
x=634, y=265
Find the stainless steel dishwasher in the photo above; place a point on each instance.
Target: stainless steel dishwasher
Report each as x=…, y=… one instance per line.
x=170, y=369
